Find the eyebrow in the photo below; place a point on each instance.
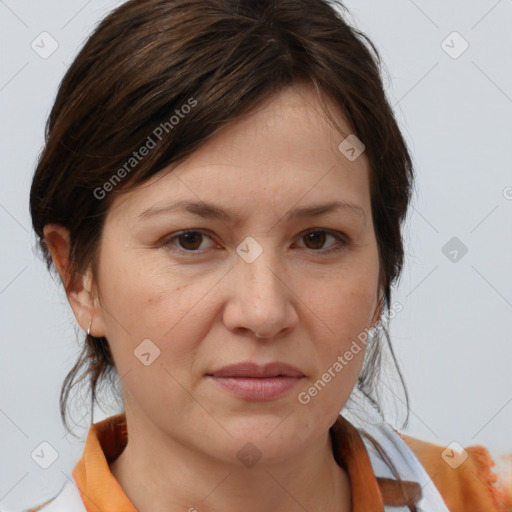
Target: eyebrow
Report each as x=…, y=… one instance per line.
x=209, y=210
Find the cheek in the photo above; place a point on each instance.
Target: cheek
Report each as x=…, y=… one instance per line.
x=343, y=321
x=140, y=301
x=339, y=348
x=341, y=311
x=166, y=311
x=345, y=301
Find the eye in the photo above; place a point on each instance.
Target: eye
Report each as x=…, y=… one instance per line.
x=188, y=241
x=315, y=239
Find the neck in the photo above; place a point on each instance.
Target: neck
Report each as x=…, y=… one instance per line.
x=159, y=474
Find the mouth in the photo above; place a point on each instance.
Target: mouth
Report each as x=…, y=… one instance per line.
x=253, y=370
x=250, y=381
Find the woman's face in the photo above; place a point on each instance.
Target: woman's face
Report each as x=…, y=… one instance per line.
x=175, y=309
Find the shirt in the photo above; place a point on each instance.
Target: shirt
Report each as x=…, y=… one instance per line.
x=472, y=487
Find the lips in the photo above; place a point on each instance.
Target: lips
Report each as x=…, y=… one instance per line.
x=253, y=370
x=249, y=381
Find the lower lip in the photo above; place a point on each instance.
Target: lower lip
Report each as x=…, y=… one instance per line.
x=255, y=388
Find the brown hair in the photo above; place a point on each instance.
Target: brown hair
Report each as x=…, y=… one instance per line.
x=223, y=58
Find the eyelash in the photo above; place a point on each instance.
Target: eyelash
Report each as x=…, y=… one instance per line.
x=169, y=241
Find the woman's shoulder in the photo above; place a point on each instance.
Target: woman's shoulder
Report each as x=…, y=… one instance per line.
x=466, y=478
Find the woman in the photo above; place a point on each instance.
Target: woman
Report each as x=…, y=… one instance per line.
x=221, y=192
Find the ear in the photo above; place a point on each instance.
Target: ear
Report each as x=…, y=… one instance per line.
x=80, y=288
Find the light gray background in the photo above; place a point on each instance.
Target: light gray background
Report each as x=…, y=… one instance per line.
x=453, y=337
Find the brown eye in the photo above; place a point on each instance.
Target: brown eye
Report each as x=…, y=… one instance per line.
x=187, y=242
x=316, y=238
x=190, y=240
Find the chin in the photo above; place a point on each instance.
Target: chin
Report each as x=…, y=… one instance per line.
x=264, y=440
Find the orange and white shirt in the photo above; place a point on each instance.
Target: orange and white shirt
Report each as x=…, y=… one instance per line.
x=386, y=469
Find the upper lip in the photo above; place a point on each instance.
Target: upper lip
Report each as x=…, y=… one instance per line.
x=250, y=369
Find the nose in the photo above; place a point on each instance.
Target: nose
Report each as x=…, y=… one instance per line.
x=261, y=301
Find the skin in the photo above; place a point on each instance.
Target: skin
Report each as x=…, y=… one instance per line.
x=203, y=312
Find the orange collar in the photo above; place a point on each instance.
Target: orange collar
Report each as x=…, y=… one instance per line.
x=106, y=440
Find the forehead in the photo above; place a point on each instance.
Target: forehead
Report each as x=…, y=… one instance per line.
x=284, y=154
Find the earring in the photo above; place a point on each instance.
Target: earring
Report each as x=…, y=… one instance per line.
x=89, y=328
